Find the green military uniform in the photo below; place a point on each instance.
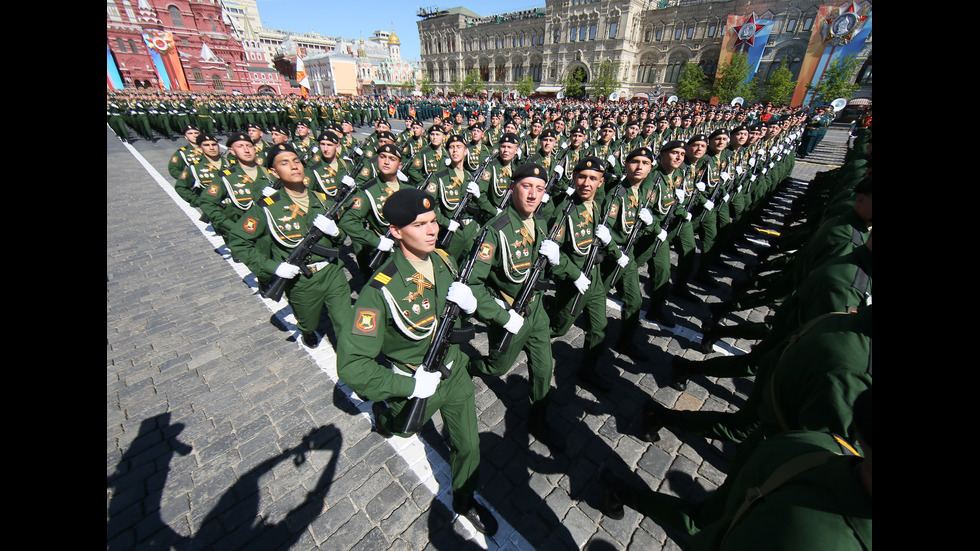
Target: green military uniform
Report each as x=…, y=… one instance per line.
x=504, y=262
x=494, y=183
x=226, y=199
x=364, y=220
x=396, y=315
x=449, y=188
x=427, y=160
x=267, y=234
x=197, y=177
x=183, y=158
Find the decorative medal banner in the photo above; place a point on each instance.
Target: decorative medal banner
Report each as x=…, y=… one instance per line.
x=113, y=78
x=165, y=58
x=747, y=35
x=837, y=32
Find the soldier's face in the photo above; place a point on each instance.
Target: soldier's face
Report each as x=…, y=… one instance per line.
x=527, y=194
x=587, y=182
x=719, y=143
x=548, y=144
x=191, y=136
x=673, y=159
x=476, y=134
x=638, y=168
x=457, y=151
x=632, y=131
x=348, y=127
x=662, y=125
x=436, y=138
x=245, y=151
x=741, y=137
x=255, y=134
x=577, y=139
x=288, y=167
x=388, y=164
x=329, y=149
x=211, y=149
x=302, y=131
x=508, y=151
x=418, y=238
x=608, y=134
x=417, y=130
x=697, y=150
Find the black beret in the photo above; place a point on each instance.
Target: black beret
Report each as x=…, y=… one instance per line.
x=277, y=149
x=189, y=127
x=328, y=136
x=385, y=135
x=274, y=128
x=529, y=170
x=390, y=148
x=697, y=138
x=548, y=133
x=590, y=163
x=455, y=138
x=303, y=122
x=509, y=137
x=640, y=152
x=252, y=125
x=719, y=132
x=405, y=205
x=577, y=130
x=436, y=128
x=673, y=144
x=237, y=137
x=204, y=137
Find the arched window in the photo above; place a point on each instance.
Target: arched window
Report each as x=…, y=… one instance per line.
x=175, y=16
x=677, y=61
x=218, y=85
x=198, y=75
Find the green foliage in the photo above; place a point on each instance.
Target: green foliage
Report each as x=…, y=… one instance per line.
x=837, y=81
x=573, y=83
x=468, y=85
x=733, y=79
x=526, y=86
x=605, y=82
x=690, y=84
x=781, y=85
x=426, y=86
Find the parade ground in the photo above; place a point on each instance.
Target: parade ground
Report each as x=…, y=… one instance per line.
x=224, y=432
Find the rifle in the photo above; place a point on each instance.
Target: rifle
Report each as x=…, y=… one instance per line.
x=310, y=244
x=690, y=202
x=461, y=207
x=635, y=230
x=440, y=346
x=714, y=194
x=527, y=291
x=593, y=255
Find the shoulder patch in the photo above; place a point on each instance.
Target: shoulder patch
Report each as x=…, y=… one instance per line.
x=366, y=172
x=417, y=162
x=356, y=204
x=366, y=322
x=250, y=224
x=431, y=188
x=173, y=160
x=213, y=189
x=485, y=253
x=613, y=209
x=486, y=175
x=183, y=174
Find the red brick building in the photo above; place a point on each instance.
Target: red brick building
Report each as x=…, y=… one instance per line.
x=207, y=57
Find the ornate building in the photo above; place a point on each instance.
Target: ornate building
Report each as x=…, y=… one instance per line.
x=188, y=40
x=648, y=42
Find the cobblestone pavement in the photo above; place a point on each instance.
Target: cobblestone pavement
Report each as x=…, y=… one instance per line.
x=224, y=432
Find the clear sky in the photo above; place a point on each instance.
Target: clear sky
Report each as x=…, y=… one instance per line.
x=357, y=18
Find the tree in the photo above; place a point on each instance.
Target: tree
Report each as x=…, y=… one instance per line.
x=426, y=86
x=573, y=83
x=781, y=85
x=468, y=85
x=605, y=82
x=733, y=79
x=837, y=81
x=526, y=86
x=690, y=84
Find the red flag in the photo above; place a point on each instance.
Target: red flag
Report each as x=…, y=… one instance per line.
x=392, y=110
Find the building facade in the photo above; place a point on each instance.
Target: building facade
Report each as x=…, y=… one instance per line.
x=648, y=42
x=210, y=57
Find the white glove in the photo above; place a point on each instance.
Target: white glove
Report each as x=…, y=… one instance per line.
x=662, y=235
x=740, y=169
x=197, y=185
x=645, y=216
x=752, y=161
x=709, y=205
x=582, y=284
x=623, y=261
x=448, y=161
x=358, y=151
x=550, y=249
x=473, y=189
x=348, y=181
x=461, y=294
x=401, y=176
x=499, y=211
x=726, y=198
x=753, y=177
x=268, y=191
x=453, y=226
x=739, y=189
x=545, y=198
x=287, y=270
x=560, y=171
x=725, y=176
x=385, y=244
x=612, y=160
x=688, y=217
x=602, y=232
x=425, y=383
x=514, y=324
x=680, y=193
x=326, y=225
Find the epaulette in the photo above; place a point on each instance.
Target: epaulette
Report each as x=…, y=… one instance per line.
x=227, y=172
x=501, y=223
x=320, y=195
x=384, y=275
x=271, y=199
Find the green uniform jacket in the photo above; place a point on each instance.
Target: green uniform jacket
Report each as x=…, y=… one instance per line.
x=364, y=220
x=227, y=198
x=183, y=158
